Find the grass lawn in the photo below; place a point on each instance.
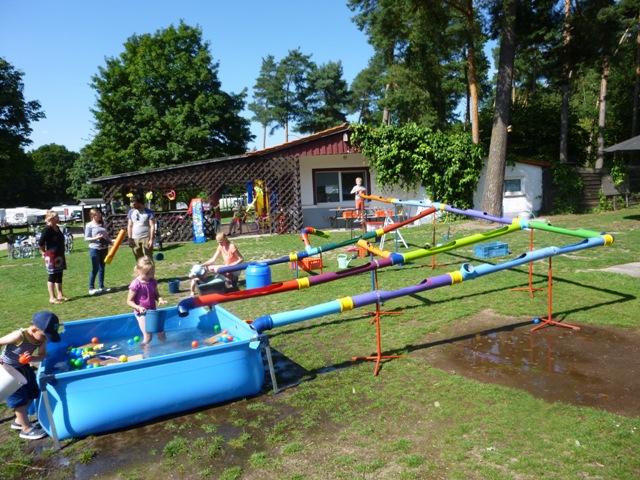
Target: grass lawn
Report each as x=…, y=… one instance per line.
x=335, y=419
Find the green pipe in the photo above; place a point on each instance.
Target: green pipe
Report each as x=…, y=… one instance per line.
x=463, y=242
x=583, y=233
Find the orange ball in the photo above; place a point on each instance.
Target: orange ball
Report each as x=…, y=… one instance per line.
x=94, y=340
x=24, y=358
x=194, y=344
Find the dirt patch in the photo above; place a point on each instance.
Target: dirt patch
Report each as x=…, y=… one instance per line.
x=592, y=367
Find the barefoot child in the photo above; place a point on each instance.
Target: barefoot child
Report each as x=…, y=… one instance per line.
x=18, y=350
x=143, y=295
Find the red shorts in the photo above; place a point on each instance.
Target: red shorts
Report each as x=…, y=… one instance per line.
x=359, y=204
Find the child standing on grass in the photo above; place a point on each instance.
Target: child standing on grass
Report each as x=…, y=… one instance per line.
x=18, y=352
x=143, y=295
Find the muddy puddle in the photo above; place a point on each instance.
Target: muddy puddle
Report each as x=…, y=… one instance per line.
x=593, y=367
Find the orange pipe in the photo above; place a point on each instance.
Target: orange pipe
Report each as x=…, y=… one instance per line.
x=112, y=251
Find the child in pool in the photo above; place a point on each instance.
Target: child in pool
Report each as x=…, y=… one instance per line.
x=143, y=295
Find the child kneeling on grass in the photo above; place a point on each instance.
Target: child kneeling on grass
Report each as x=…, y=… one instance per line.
x=18, y=351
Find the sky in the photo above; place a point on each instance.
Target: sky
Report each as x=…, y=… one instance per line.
x=60, y=44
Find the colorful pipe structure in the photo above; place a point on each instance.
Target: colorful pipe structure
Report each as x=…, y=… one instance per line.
x=485, y=216
x=467, y=272
x=215, y=298
x=387, y=259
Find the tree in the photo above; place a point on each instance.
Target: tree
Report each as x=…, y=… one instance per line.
x=265, y=94
x=494, y=184
x=52, y=165
x=84, y=168
x=16, y=115
x=326, y=101
x=291, y=78
x=161, y=103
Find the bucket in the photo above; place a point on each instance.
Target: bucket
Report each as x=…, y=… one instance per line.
x=258, y=275
x=174, y=286
x=154, y=321
x=342, y=261
x=10, y=380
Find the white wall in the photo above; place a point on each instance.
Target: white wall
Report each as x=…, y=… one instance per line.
x=308, y=164
x=530, y=197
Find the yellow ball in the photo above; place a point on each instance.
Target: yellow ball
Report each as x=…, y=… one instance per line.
x=123, y=358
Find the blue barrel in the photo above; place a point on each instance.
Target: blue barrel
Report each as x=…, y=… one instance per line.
x=258, y=275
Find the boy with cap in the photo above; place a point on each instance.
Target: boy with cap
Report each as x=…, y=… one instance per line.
x=18, y=351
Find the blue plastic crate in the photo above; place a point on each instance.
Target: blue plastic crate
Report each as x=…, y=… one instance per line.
x=491, y=249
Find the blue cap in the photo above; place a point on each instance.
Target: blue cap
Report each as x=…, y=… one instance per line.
x=48, y=322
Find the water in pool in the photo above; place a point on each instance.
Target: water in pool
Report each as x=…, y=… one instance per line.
x=115, y=350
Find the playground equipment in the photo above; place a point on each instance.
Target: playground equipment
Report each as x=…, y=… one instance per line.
x=70, y=396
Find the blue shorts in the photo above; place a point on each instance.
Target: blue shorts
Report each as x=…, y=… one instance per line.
x=27, y=392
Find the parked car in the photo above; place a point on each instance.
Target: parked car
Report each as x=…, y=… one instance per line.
x=76, y=216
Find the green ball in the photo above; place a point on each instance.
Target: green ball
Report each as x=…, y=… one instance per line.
x=136, y=339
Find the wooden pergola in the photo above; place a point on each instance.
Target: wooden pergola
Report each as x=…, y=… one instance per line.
x=279, y=175
x=277, y=168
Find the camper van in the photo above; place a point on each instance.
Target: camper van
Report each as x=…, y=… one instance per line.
x=24, y=216
x=66, y=212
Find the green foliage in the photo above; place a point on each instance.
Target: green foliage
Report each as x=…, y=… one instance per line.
x=84, y=168
x=52, y=165
x=448, y=166
x=327, y=99
x=604, y=205
x=296, y=90
x=161, y=103
x=16, y=116
x=570, y=187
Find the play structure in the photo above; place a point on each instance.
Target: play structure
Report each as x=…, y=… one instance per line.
x=79, y=391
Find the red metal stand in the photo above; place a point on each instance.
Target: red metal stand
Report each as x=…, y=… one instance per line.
x=530, y=287
x=376, y=319
x=378, y=357
x=549, y=318
x=433, y=257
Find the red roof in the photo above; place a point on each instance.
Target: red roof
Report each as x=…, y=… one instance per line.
x=333, y=141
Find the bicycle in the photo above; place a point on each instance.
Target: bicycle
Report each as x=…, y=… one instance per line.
x=22, y=248
x=68, y=240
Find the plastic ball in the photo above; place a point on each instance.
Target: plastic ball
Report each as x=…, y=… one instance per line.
x=24, y=358
x=230, y=338
x=224, y=332
x=536, y=320
x=96, y=348
x=216, y=328
x=122, y=358
x=136, y=339
x=130, y=341
x=224, y=339
x=94, y=340
x=77, y=362
x=194, y=344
